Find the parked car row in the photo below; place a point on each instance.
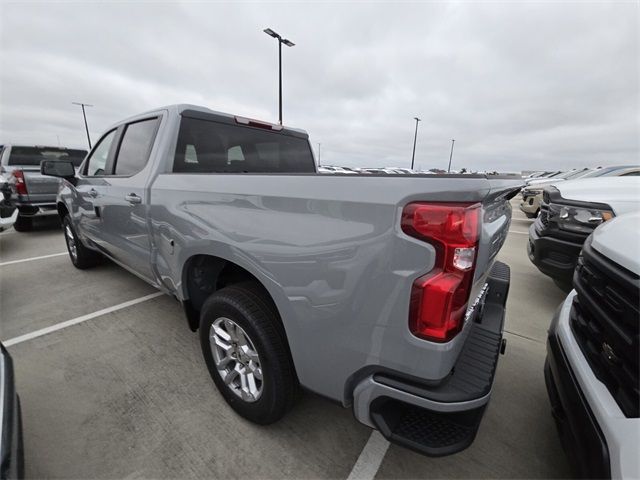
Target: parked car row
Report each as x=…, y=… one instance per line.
x=586, y=236
x=591, y=371
x=370, y=170
x=532, y=193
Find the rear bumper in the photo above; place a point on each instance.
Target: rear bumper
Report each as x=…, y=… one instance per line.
x=580, y=434
x=441, y=419
x=27, y=209
x=552, y=256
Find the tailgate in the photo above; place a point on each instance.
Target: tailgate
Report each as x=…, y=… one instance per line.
x=40, y=188
x=495, y=225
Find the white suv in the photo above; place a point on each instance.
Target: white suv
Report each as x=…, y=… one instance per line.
x=591, y=370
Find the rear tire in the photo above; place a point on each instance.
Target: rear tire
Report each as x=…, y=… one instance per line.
x=23, y=224
x=81, y=256
x=246, y=352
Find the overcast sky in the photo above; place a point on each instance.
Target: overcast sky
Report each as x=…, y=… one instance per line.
x=519, y=85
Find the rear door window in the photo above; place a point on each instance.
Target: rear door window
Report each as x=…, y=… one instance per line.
x=135, y=146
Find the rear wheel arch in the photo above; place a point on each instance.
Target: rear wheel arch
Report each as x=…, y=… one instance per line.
x=203, y=275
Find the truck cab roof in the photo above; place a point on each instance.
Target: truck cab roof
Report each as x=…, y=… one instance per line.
x=182, y=108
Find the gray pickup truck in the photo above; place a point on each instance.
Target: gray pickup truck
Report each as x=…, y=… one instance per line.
x=379, y=292
x=33, y=194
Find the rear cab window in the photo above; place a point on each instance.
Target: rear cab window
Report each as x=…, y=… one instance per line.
x=207, y=146
x=32, y=156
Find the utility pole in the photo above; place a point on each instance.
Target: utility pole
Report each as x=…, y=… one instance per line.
x=451, y=154
x=415, y=138
x=288, y=43
x=84, y=115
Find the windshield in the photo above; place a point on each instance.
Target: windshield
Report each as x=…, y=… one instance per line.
x=32, y=156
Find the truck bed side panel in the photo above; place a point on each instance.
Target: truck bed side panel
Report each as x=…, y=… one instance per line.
x=330, y=252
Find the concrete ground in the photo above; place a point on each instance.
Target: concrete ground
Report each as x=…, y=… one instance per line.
x=126, y=394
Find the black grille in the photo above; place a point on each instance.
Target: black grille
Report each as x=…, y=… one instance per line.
x=605, y=320
x=544, y=215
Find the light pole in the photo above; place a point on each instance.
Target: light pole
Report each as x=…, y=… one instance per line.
x=415, y=138
x=319, y=144
x=84, y=115
x=288, y=43
x=451, y=154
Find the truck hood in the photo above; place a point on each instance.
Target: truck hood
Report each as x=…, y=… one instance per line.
x=617, y=240
x=622, y=194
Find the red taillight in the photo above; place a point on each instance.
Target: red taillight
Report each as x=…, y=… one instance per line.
x=20, y=185
x=439, y=298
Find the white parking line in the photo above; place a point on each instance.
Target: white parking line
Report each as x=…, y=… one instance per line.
x=42, y=257
x=516, y=231
x=370, y=458
x=75, y=321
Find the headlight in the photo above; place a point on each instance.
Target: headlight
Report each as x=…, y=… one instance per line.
x=578, y=219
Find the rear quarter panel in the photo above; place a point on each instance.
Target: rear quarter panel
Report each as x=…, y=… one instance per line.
x=330, y=252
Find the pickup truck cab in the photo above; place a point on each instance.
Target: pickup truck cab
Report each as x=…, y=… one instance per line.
x=569, y=213
x=591, y=370
x=33, y=194
x=379, y=292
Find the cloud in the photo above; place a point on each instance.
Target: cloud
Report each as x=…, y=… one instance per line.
x=518, y=85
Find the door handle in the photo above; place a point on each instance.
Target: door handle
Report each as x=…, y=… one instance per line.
x=93, y=193
x=132, y=198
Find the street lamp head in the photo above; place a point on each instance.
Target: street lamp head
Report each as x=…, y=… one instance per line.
x=270, y=32
x=78, y=103
x=288, y=43
x=417, y=119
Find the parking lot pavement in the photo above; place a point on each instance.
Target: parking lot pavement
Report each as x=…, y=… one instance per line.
x=18, y=246
x=40, y=293
x=127, y=393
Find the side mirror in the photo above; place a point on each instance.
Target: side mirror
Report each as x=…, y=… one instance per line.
x=58, y=168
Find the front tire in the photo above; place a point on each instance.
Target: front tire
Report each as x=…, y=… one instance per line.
x=81, y=256
x=246, y=352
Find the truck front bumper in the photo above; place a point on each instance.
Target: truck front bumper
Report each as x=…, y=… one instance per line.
x=554, y=257
x=441, y=419
x=597, y=437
